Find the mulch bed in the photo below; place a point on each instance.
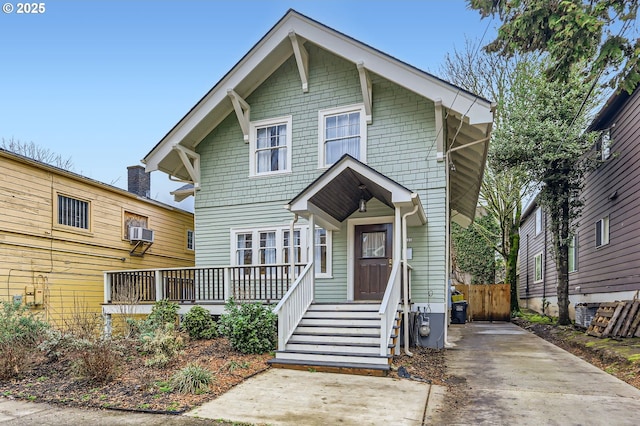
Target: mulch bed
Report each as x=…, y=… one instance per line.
x=137, y=386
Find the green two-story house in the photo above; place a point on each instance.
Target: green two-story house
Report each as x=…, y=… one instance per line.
x=325, y=175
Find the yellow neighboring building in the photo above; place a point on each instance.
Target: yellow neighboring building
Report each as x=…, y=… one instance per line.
x=60, y=231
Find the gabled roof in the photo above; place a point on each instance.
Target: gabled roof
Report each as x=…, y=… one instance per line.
x=85, y=180
x=468, y=116
x=610, y=109
x=335, y=195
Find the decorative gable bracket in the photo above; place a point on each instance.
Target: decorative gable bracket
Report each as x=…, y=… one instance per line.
x=243, y=110
x=302, y=59
x=191, y=162
x=365, y=86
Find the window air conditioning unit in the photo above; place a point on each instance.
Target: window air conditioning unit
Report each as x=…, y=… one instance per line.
x=138, y=233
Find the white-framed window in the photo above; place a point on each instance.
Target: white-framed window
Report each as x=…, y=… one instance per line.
x=602, y=231
x=270, y=144
x=73, y=212
x=341, y=131
x=538, y=221
x=537, y=267
x=604, y=144
x=264, y=246
x=573, y=254
x=190, y=239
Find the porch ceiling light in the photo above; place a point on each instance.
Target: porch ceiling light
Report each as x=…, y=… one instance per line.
x=363, y=203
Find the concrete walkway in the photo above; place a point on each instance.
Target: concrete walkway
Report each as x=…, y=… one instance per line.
x=516, y=378
x=291, y=397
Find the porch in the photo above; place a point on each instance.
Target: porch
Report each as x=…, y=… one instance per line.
x=350, y=336
x=135, y=291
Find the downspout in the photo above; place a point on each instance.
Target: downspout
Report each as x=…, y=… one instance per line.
x=405, y=280
x=292, y=255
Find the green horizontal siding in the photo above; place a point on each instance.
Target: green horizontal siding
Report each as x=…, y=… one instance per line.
x=401, y=144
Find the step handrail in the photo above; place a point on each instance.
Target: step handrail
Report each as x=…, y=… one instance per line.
x=389, y=306
x=294, y=304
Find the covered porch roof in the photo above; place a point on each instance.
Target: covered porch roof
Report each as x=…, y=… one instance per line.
x=336, y=194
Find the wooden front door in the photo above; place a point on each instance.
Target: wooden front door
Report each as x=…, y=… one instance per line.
x=373, y=260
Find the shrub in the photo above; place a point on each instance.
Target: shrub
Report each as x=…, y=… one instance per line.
x=163, y=345
x=20, y=333
x=192, y=379
x=163, y=312
x=250, y=327
x=18, y=323
x=199, y=324
x=97, y=360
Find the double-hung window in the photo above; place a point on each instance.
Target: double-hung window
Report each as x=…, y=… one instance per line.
x=604, y=145
x=269, y=246
x=190, y=240
x=537, y=268
x=538, y=221
x=573, y=254
x=270, y=142
x=602, y=231
x=342, y=131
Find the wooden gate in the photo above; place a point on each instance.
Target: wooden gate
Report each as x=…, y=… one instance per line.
x=487, y=302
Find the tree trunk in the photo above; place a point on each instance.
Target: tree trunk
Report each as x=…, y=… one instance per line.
x=512, y=261
x=560, y=226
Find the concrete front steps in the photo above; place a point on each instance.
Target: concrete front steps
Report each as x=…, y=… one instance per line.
x=342, y=338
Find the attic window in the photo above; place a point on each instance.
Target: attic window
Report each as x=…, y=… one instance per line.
x=342, y=131
x=270, y=142
x=605, y=144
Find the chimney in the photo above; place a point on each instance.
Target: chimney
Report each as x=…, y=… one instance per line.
x=139, y=181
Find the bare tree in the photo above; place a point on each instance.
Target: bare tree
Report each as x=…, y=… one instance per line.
x=38, y=153
x=502, y=191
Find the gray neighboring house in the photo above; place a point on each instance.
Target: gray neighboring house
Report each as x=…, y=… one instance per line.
x=604, y=262
x=320, y=152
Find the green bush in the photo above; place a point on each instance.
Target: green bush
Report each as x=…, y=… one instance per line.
x=17, y=322
x=250, y=327
x=163, y=312
x=199, y=324
x=192, y=379
x=20, y=333
x=163, y=344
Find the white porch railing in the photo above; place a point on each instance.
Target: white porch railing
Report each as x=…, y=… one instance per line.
x=247, y=283
x=389, y=306
x=294, y=304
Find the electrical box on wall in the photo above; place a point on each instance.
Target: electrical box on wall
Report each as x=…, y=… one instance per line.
x=33, y=295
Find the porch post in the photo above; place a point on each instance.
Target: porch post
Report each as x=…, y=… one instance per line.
x=398, y=237
x=158, y=278
x=107, y=288
x=312, y=251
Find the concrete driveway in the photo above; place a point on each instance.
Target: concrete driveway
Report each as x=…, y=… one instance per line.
x=514, y=377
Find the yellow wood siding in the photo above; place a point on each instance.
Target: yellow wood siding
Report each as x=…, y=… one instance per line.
x=67, y=263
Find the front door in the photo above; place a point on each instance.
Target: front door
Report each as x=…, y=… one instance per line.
x=373, y=260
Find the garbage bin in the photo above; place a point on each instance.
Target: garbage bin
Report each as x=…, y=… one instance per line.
x=459, y=312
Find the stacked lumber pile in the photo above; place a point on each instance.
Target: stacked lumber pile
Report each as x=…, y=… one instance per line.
x=616, y=319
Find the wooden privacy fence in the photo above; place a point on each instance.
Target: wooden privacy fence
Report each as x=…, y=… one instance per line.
x=487, y=302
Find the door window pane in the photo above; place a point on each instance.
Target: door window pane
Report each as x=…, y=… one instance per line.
x=374, y=244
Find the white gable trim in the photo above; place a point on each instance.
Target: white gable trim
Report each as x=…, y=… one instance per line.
x=401, y=197
x=302, y=60
x=270, y=49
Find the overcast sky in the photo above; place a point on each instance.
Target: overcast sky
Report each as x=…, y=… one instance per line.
x=103, y=81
